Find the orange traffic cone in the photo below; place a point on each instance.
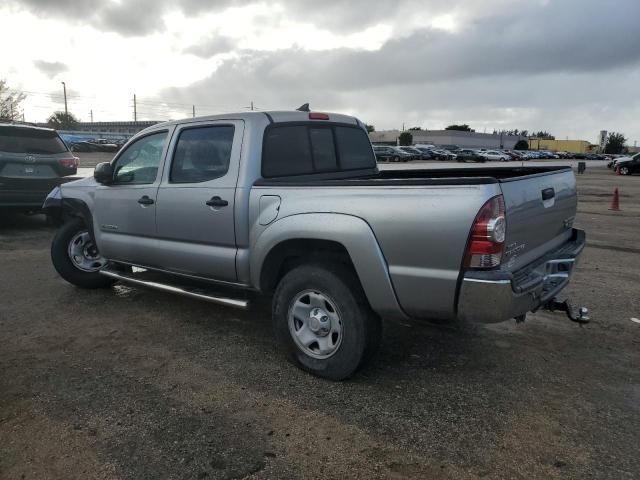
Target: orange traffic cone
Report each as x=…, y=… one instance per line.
x=615, y=202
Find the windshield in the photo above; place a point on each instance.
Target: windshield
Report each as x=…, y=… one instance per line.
x=28, y=140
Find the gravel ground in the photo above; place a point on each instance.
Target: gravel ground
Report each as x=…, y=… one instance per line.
x=128, y=383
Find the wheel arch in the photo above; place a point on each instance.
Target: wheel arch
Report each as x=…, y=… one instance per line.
x=347, y=239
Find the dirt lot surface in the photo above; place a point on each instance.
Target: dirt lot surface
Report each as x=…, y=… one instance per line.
x=127, y=383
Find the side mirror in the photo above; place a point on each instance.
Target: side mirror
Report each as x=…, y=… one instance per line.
x=103, y=173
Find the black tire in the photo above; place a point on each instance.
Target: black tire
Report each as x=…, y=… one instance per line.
x=63, y=264
x=362, y=328
x=395, y=159
x=625, y=171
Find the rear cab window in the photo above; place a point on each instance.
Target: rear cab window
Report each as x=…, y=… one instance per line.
x=309, y=148
x=31, y=141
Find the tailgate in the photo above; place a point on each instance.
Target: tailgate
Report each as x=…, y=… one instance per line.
x=540, y=210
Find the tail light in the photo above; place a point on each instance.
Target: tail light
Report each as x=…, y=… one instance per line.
x=486, y=242
x=69, y=162
x=318, y=116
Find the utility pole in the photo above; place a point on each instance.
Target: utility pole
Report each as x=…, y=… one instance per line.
x=252, y=105
x=193, y=111
x=64, y=89
x=135, y=111
x=91, y=113
x=11, y=107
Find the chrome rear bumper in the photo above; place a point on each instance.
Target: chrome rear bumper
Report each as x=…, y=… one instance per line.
x=496, y=296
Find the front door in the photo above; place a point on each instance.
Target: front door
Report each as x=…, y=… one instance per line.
x=196, y=199
x=125, y=210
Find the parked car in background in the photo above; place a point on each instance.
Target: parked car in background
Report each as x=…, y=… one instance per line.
x=628, y=165
x=415, y=153
x=386, y=153
x=450, y=148
x=33, y=161
x=427, y=153
x=494, y=155
x=442, y=154
x=469, y=155
x=403, y=155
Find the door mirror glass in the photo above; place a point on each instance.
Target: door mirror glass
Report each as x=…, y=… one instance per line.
x=103, y=173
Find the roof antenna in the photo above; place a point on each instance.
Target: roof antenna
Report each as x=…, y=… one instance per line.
x=303, y=108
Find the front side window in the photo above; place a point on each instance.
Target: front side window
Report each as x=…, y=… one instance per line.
x=139, y=163
x=202, y=154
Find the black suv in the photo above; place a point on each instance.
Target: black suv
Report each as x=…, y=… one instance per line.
x=33, y=161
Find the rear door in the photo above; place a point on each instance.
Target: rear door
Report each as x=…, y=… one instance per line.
x=540, y=211
x=125, y=211
x=196, y=200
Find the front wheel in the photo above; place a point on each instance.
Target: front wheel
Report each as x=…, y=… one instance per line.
x=76, y=258
x=323, y=322
x=625, y=171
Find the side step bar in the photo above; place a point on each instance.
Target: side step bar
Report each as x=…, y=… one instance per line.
x=187, y=291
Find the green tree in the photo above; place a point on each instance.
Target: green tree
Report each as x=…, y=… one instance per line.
x=461, y=128
x=62, y=121
x=371, y=128
x=10, y=101
x=521, y=145
x=405, y=138
x=615, y=143
x=543, y=134
x=415, y=129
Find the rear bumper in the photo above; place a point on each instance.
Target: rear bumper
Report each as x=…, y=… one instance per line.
x=28, y=194
x=490, y=297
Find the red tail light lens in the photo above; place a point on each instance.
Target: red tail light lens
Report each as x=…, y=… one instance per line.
x=318, y=116
x=486, y=242
x=69, y=162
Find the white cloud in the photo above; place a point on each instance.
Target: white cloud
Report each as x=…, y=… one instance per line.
x=571, y=66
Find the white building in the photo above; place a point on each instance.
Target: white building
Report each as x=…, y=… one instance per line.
x=449, y=137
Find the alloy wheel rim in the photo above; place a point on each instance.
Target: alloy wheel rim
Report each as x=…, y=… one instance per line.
x=315, y=324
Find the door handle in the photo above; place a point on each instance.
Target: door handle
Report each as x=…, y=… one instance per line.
x=548, y=193
x=145, y=200
x=217, y=202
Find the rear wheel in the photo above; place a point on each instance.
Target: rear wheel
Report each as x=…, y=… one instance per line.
x=323, y=322
x=76, y=258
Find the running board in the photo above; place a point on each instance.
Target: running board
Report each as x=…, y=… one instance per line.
x=185, y=290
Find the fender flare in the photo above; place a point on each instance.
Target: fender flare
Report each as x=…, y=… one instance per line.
x=350, y=231
x=57, y=205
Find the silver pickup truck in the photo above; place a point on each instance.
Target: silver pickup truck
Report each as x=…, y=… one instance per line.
x=290, y=205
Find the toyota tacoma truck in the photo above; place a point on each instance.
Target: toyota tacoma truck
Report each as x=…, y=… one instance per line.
x=290, y=206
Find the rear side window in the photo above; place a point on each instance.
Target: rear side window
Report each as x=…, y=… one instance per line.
x=29, y=140
x=202, y=154
x=306, y=149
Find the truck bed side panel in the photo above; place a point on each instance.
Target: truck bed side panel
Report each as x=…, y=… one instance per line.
x=422, y=232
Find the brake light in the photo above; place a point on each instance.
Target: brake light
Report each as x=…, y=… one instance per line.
x=318, y=116
x=69, y=162
x=486, y=242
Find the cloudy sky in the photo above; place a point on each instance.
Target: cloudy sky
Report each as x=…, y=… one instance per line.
x=571, y=67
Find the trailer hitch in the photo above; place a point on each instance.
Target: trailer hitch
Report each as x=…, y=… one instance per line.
x=578, y=316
